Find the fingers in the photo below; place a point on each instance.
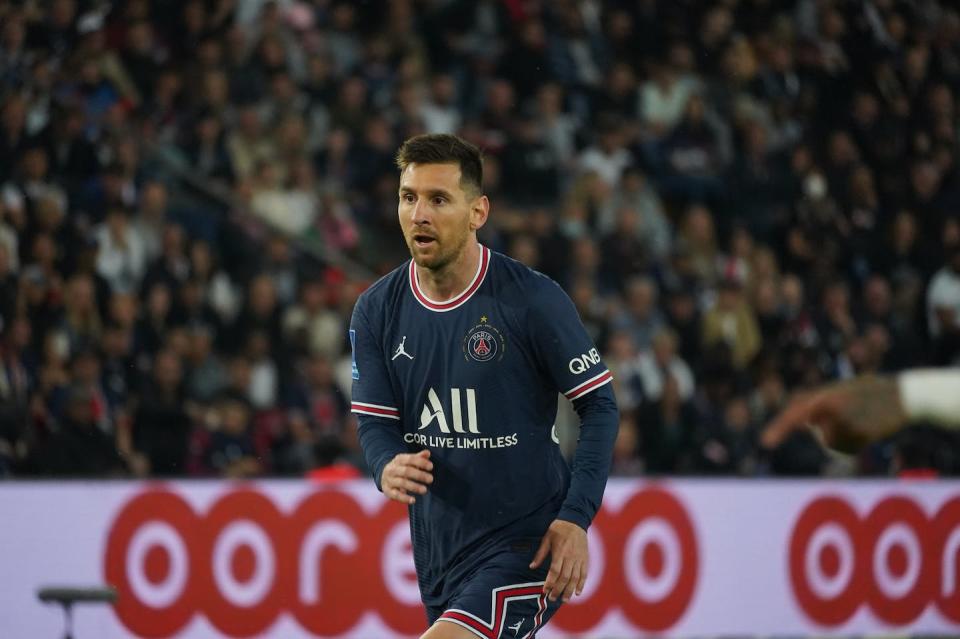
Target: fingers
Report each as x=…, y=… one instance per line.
x=411, y=472
x=420, y=460
x=582, y=580
x=572, y=579
x=794, y=417
x=563, y=588
x=542, y=552
x=563, y=578
x=398, y=495
x=410, y=486
x=567, y=546
x=551, y=585
x=407, y=475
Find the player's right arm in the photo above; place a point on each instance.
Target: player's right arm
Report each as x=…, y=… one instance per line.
x=398, y=474
x=852, y=413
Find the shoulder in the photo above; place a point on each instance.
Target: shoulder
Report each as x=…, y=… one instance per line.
x=538, y=296
x=519, y=282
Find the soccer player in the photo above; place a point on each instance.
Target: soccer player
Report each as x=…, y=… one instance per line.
x=458, y=358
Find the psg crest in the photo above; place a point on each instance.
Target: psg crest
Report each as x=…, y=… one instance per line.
x=483, y=343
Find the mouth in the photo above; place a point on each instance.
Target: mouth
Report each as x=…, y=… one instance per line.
x=421, y=240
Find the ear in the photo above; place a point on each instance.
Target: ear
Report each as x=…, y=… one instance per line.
x=479, y=212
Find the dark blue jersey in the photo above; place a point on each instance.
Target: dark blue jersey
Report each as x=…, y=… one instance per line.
x=475, y=380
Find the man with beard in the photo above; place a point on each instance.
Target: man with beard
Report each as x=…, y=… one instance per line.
x=458, y=358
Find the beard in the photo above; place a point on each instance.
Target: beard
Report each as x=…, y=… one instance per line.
x=440, y=253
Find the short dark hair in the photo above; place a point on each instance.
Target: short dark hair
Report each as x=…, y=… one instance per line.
x=443, y=148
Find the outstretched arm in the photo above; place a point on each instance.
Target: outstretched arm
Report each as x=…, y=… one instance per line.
x=850, y=414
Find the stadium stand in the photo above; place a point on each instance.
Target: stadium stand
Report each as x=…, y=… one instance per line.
x=743, y=198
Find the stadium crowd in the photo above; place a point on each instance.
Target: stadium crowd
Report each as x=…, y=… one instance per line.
x=742, y=197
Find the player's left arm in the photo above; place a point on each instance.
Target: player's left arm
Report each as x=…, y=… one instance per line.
x=575, y=368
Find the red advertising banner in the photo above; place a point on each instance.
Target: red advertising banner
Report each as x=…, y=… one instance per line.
x=286, y=559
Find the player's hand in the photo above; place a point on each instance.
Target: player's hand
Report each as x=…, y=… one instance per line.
x=566, y=543
x=406, y=475
x=845, y=415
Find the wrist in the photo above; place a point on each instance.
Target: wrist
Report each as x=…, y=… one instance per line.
x=574, y=517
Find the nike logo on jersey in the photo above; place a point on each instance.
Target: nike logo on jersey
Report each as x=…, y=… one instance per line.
x=516, y=627
x=400, y=350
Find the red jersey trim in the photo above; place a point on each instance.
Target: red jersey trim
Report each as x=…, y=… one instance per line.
x=375, y=409
x=593, y=383
x=500, y=597
x=460, y=299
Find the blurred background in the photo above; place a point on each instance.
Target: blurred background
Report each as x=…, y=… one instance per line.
x=743, y=198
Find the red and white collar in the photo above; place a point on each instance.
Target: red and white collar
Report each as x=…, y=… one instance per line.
x=459, y=300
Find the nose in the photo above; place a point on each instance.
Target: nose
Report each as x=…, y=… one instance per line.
x=419, y=213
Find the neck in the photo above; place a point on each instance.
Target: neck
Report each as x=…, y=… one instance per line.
x=450, y=280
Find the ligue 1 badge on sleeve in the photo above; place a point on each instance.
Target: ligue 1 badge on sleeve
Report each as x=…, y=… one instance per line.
x=483, y=343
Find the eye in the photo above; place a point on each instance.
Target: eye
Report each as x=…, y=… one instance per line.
x=439, y=200
x=408, y=198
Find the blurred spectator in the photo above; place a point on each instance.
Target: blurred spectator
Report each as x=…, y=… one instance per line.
x=206, y=374
x=121, y=254
x=230, y=452
x=311, y=326
x=151, y=219
x=692, y=156
x=119, y=375
x=220, y=292
x=440, y=113
x=698, y=237
x=652, y=227
x=16, y=380
x=626, y=460
x=161, y=426
x=559, y=126
x=530, y=168
x=329, y=462
x=82, y=325
x=641, y=317
x=731, y=321
x=661, y=361
x=264, y=376
x=624, y=253
x=943, y=308
x=608, y=157
x=78, y=446
x=663, y=99
x=172, y=267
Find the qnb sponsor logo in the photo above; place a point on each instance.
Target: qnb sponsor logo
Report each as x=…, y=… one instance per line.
x=243, y=563
x=893, y=558
x=582, y=363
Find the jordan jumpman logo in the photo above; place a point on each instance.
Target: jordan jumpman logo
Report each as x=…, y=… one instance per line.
x=401, y=351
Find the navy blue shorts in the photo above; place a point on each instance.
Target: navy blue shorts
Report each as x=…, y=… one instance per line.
x=503, y=598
